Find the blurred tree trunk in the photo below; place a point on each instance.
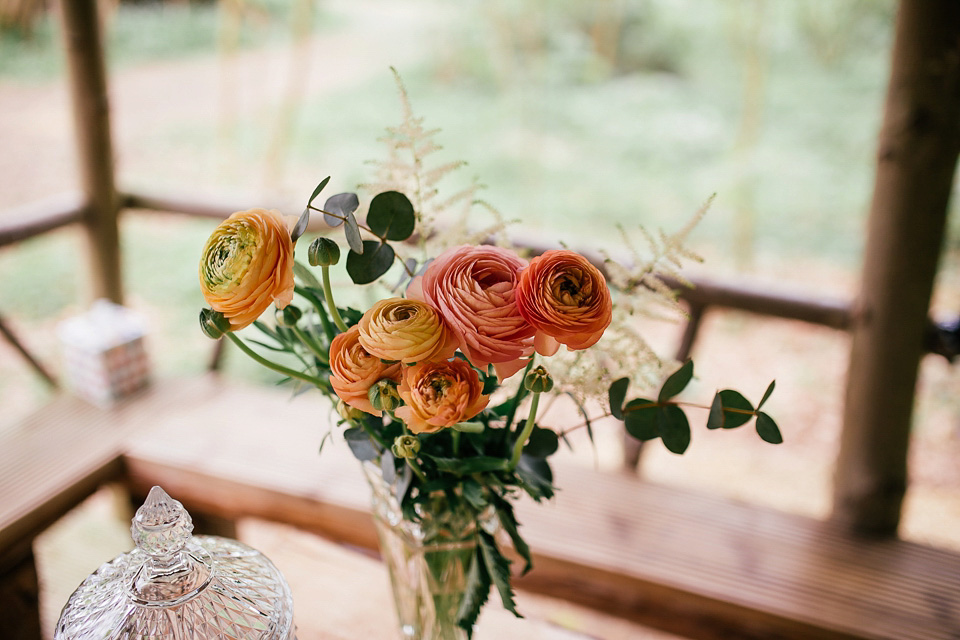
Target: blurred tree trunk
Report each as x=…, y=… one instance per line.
x=917, y=158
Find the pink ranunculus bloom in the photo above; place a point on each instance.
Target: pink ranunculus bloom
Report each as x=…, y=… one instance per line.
x=473, y=289
x=353, y=370
x=566, y=299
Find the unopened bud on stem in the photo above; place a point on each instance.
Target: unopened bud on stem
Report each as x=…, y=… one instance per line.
x=538, y=380
x=213, y=323
x=323, y=252
x=384, y=396
x=406, y=446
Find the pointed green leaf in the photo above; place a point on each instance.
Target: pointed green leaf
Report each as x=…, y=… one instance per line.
x=536, y=477
x=352, y=231
x=475, y=593
x=375, y=261
x=743, y=410
x=715, y=419
x=543, y=443
x=317, y=191
x=674, y=428
x=766, y=394
x=677, y=382
x=509, y=522
x=391, y=216
x=338, y=206
x=640, y=419
x=767, y=429
x=616, y=395
x=499, y=569
x=306, y=276
x=301, y=225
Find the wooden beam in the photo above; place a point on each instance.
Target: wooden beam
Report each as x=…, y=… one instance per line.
x=91, y=113
x=34, y=219
x=917, y=157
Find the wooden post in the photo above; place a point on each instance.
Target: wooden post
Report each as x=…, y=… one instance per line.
x=917, y=157
x=88, y=87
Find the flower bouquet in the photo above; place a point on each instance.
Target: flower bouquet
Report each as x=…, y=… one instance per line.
x=438, y=384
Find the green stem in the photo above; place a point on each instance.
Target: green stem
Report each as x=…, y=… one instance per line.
x=527, y=430
x=312, y=345
x=318, y=305
x=269, y=364
x=456, y=442
x=416, y=469
x=328, y=293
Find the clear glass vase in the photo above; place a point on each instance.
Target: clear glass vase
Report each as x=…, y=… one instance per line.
x=428, y=560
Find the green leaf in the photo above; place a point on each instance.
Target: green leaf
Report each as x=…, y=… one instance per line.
x=641, y=423
x=715, y=419
x=734, y=400
x=473, y=493
x=677, y=382
x=674, y=429
x=535, y=477
x=499, y=569
x=376, y=260
x=470, y=427
x=301, y=225
x=542, y=443
x=509, y=522
x=767, y=393
x=352, y=231
x=337, y=207
x=616, y=395
x=317, y=191
x=475, y=594
x=469, y=466
x=767, y=429
x=360, y=444
x=391, y=216
x=306, y=276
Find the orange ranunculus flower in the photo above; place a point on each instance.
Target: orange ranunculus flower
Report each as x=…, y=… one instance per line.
x=247, y=264
x=406, y=330
x=566, y=299
x=353, y=370
x=473, y=289
x=440, y=394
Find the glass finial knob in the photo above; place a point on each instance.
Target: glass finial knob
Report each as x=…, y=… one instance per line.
x=161, y=526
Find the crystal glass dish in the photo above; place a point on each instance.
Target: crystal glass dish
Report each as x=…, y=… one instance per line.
x=175, y=585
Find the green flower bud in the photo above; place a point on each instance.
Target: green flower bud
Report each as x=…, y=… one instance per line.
x=347, y=412
x=538, y=380
x=384, y=396
x=213, y=323
x=406, y=446
x=289, y=316
x=323, y=252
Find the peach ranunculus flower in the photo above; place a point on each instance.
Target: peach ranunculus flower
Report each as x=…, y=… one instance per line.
x=353, y=370
x=473, y=289
x=440, y=394
x=247, y=264
x=406, y=330
x=566, y=299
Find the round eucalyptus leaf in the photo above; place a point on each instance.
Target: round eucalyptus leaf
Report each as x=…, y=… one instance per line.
x=352, y=231
x=743, y=409
x=338, y=206
x=674, y=428
x=376, y=259
x=616, y=395
x=391, y=216
x=767, y=429
x=640, y=419
x=542, y=443
x=677, y=382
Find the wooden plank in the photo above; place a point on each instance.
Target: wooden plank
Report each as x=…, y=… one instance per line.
x=917, y=158
x=679, y=560
x=22, y=223
x=88, y=89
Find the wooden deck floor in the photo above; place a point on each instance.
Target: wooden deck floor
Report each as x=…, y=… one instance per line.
x=682, y=561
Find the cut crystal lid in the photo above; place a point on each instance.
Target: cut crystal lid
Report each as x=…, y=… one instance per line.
x=176, y=585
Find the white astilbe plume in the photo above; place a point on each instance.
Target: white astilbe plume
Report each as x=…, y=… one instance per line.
x=638, y=291
x=441, y=222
